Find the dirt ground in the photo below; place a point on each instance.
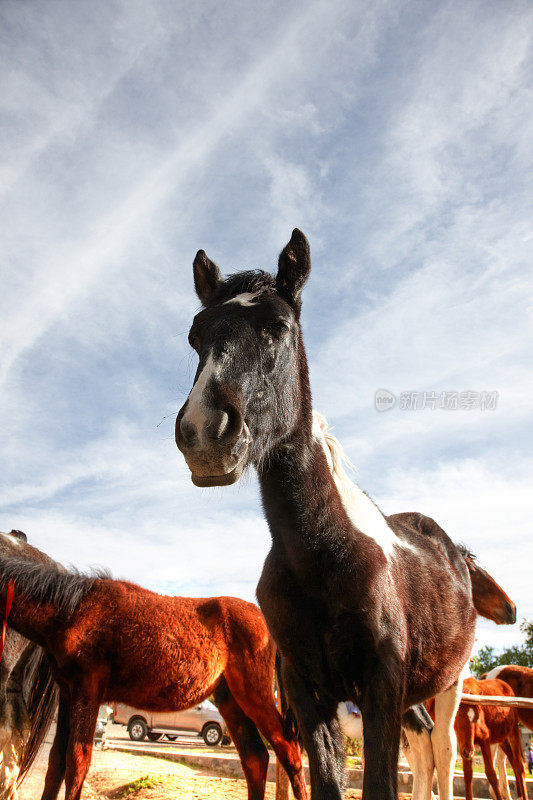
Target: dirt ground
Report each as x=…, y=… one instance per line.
x=116, y=775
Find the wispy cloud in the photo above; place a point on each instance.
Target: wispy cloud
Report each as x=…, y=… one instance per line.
x=397, y=136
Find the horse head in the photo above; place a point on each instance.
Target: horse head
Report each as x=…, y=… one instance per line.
x=247, y=393
x=489, y=598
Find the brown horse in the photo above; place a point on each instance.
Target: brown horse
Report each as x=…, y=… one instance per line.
x=109, y=640
x=487, y=726
x=520, y=679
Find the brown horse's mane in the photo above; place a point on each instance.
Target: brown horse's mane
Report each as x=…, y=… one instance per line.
x=48, y=582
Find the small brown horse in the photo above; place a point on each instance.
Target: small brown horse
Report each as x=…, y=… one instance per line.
x=486, y=726
x=109, y=640
x=520, y=679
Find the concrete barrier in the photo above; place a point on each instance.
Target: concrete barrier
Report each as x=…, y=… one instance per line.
x=230, y=765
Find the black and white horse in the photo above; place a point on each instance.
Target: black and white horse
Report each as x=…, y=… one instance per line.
x=27, y=701
x=362, y=607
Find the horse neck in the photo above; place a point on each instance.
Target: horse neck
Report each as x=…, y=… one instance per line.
x=34, y=620
x=304, y=509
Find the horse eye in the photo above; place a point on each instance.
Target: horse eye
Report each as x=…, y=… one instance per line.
x=281, y=326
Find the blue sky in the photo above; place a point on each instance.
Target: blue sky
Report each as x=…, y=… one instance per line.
x=397, y=135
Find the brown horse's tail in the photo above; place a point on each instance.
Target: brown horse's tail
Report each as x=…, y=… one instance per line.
x=41, y=695
x=290, y=725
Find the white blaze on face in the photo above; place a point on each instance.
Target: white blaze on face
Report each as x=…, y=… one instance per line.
x=361, y=510
x=14, y=541
x=195, y=413
x=471, y=714
x=244, y=299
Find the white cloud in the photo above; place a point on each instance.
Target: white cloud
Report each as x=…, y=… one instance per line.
x=134, y=133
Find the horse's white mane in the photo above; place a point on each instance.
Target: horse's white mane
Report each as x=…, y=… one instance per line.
x=361, y=509
x=335, y=455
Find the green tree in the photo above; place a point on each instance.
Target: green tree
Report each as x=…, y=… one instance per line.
x=488, y=658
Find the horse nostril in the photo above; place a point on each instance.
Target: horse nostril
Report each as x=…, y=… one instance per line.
x=235, y=422
x=511, y=610
x=187, y=432
x=225, y=424
x=220, y=425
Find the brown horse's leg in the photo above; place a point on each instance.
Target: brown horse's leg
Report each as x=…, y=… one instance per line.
x=490, y=772
x=467, y=774
x=252, y=751
x=85, y=702
x=512, y=748
x=256, y=698
x=58, y=754
x=284, y=744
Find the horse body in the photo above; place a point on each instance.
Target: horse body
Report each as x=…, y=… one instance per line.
x=361, y=607
x=187, y=641
x=520, y=679
x=14, y=720
x=352, y=621
x=27, y=702
x=113, y=641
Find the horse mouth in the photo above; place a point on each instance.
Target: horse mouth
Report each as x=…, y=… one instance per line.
x=227, y=479
x=508, y=615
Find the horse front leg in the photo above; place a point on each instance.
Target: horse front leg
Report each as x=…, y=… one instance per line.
x=512, y=748
x=490, y=772
x=467, y=777
x=499, y=759
x=417, y=727
x=85, y=701
x=381, y=708
x=57, y=759
x=321, y=734
x=252, y=751
x=444, y=739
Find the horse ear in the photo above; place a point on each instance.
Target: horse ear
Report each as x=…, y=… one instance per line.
x=294, y=266
x=207, y=277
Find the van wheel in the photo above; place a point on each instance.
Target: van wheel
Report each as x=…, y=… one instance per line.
x=137, y=729
x=155, y=737
x=212, y=734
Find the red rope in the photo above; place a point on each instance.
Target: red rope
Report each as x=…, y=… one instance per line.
x=9, y=603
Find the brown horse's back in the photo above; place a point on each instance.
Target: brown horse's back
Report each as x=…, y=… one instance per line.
x=188, y=642
x=520, y=679
x=492, y=723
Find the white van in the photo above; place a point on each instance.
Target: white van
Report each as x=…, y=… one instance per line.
x=203, y=720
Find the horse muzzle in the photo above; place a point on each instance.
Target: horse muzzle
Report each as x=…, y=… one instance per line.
x=504, y=614
x=216, y=448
